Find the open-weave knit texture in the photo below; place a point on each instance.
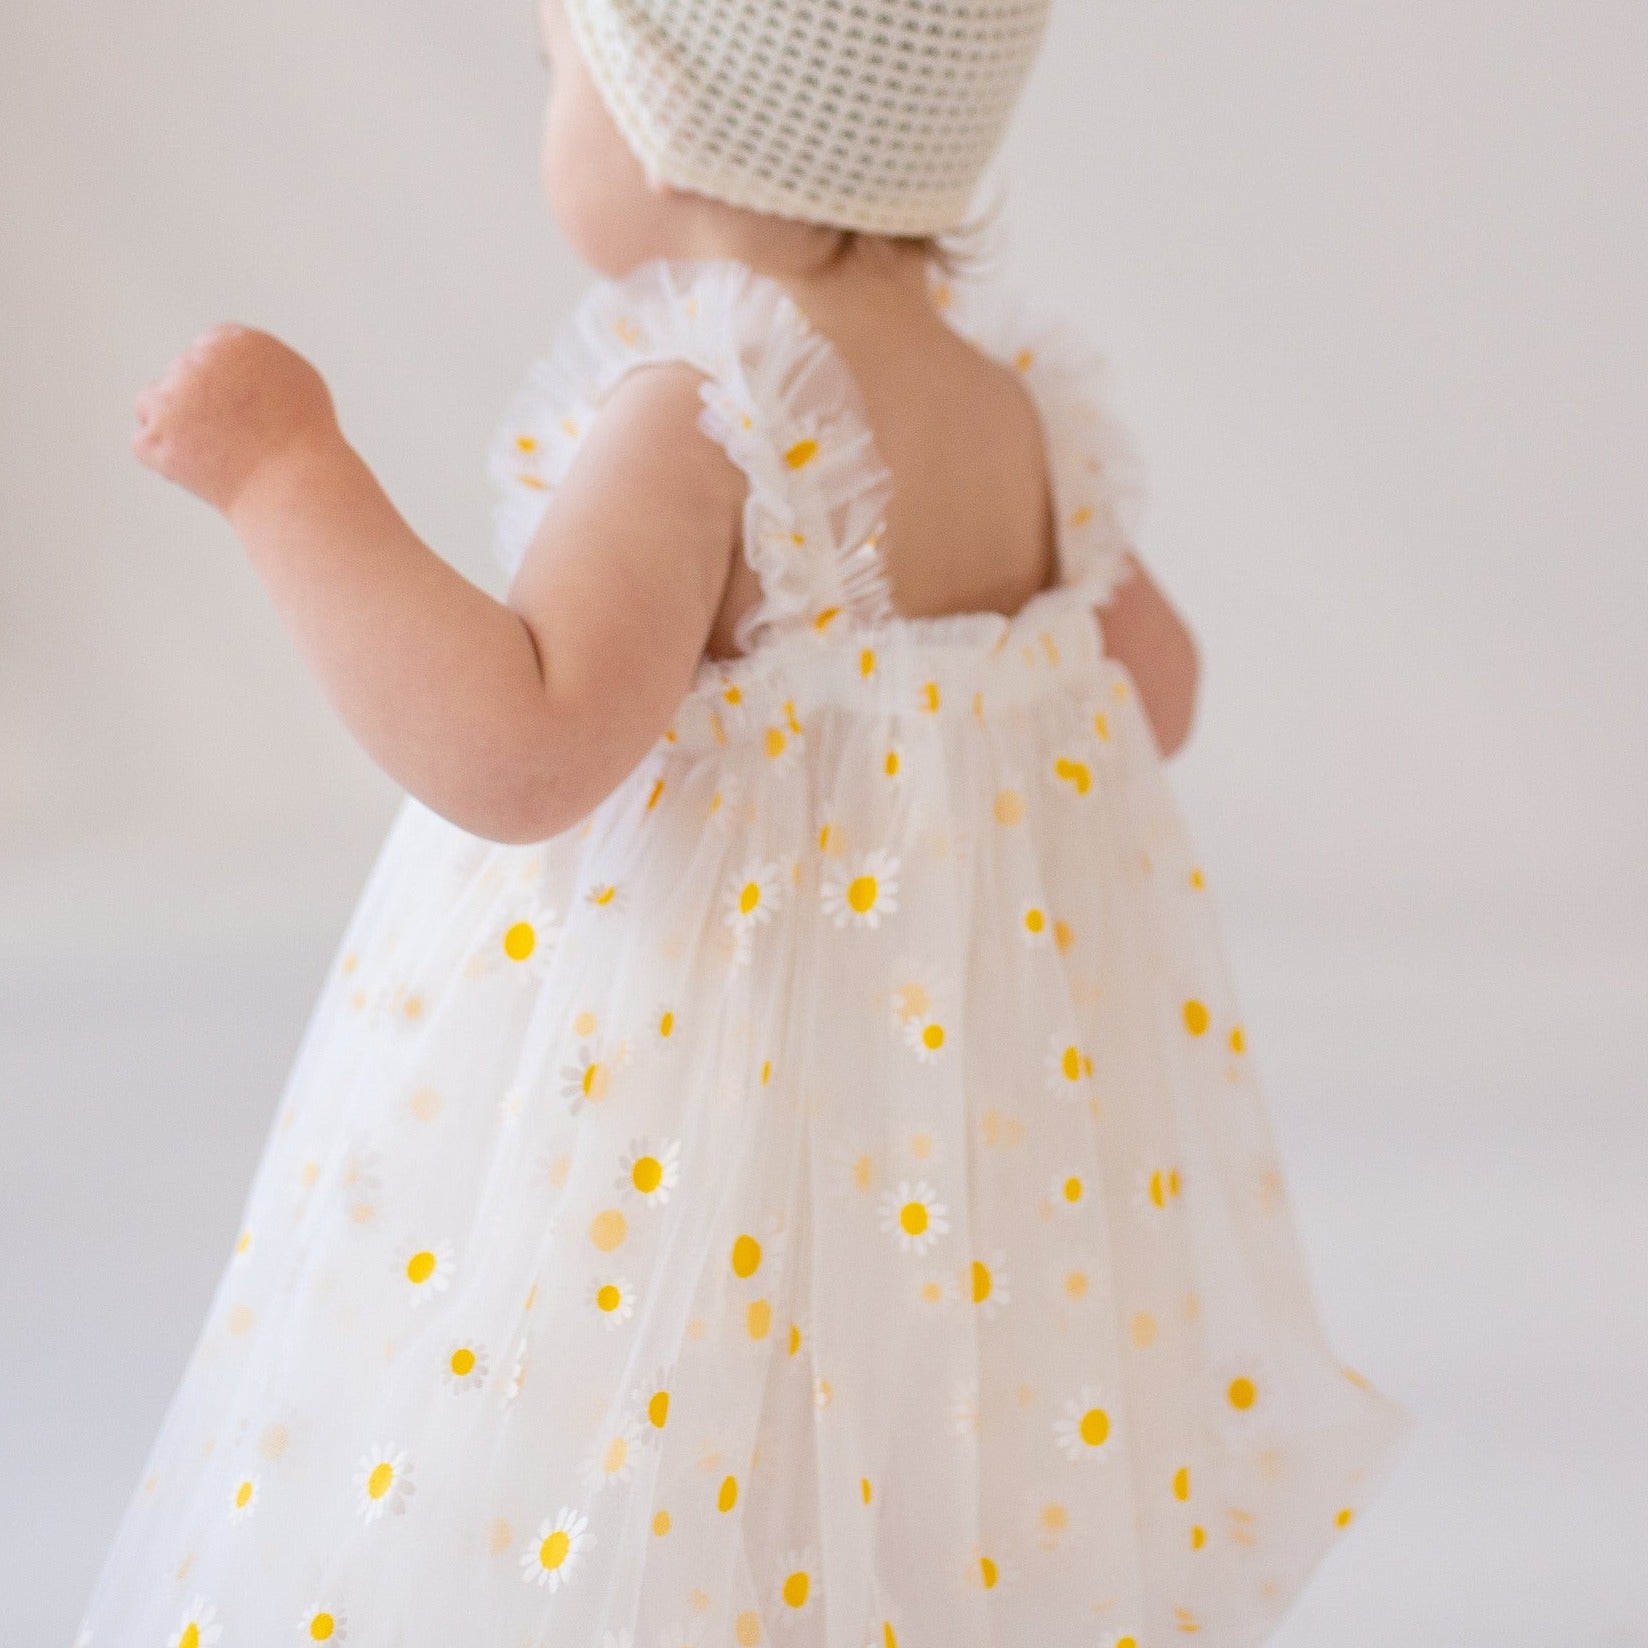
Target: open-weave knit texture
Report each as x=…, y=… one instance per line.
x=878, y=115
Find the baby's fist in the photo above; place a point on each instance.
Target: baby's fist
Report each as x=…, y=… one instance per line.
x=234, y=399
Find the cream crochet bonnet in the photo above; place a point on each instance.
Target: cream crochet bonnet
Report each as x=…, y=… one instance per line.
x=878, y=115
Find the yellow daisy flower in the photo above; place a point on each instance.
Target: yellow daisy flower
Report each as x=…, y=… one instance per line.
x=243, y=1498
x=928, y=1037
x=650, y=1170
x=652, y=1406
x=1085, y=1429
x=753, y=897
x=383, y=1481
x=1068, y=1065
x=1035, y=925
x=465, y=1366
x=588, y=1079
x=200, y=1627
x=323, y=1625
x=863, y=893
x=612, y=1459
x=797, y=1586
x=852, y=1166
x=915, y=1216
x=426, y=1270
x=553, y=1557
x=986, y=1283
x=614, y=1301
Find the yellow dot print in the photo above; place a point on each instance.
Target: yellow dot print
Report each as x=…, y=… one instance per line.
x=658, y=1409
x=758, y=1319
x=865, y=1491
x=1077, y=774
x=1143, y=1329
x=661, y=1523
x=989, y=1572
x=1238, y=1041
x=1010, y=808
x=608, y=1229
x=747, y=1629
x=746, y=1257
x=1196, y=1017
x=520, y=940
x=1181, y=1484
x=1242, y=1393
x=727, y=1497
x=796, y=1588
x=801, y=454
x=1344, y=1518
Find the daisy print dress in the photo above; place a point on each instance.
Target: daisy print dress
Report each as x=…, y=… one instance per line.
x=823, y=1199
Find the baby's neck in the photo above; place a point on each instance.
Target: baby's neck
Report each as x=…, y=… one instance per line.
x=803, y=256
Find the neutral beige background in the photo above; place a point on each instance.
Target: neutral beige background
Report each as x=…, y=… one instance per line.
x=1372, y=278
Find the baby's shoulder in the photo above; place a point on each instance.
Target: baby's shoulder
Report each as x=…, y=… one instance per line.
x=773, y=395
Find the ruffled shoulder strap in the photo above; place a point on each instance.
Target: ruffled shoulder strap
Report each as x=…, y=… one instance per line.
x=776, y=396
x=1093, y=466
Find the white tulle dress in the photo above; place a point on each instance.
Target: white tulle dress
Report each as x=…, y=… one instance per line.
x=821, y=1200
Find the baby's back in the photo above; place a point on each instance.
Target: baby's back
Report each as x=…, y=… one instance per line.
x=969, y=527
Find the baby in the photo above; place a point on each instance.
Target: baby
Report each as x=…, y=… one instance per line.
x=777, y=1155
x=514, y=719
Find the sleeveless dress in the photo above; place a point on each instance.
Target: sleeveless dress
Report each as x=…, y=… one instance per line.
x=823, y=1199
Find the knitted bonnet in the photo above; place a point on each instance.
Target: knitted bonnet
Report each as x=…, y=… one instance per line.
x=878, y=115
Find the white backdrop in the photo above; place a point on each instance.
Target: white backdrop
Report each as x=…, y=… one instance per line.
x=1373, y=282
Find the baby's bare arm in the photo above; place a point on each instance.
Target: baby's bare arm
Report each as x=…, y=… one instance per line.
x=511, y=720
x=1145, y=633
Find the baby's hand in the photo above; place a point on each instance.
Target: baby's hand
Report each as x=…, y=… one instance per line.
x=229, y=403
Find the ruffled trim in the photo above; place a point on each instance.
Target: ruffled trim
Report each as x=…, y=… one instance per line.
x=1097, y=482
x=777, y=398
